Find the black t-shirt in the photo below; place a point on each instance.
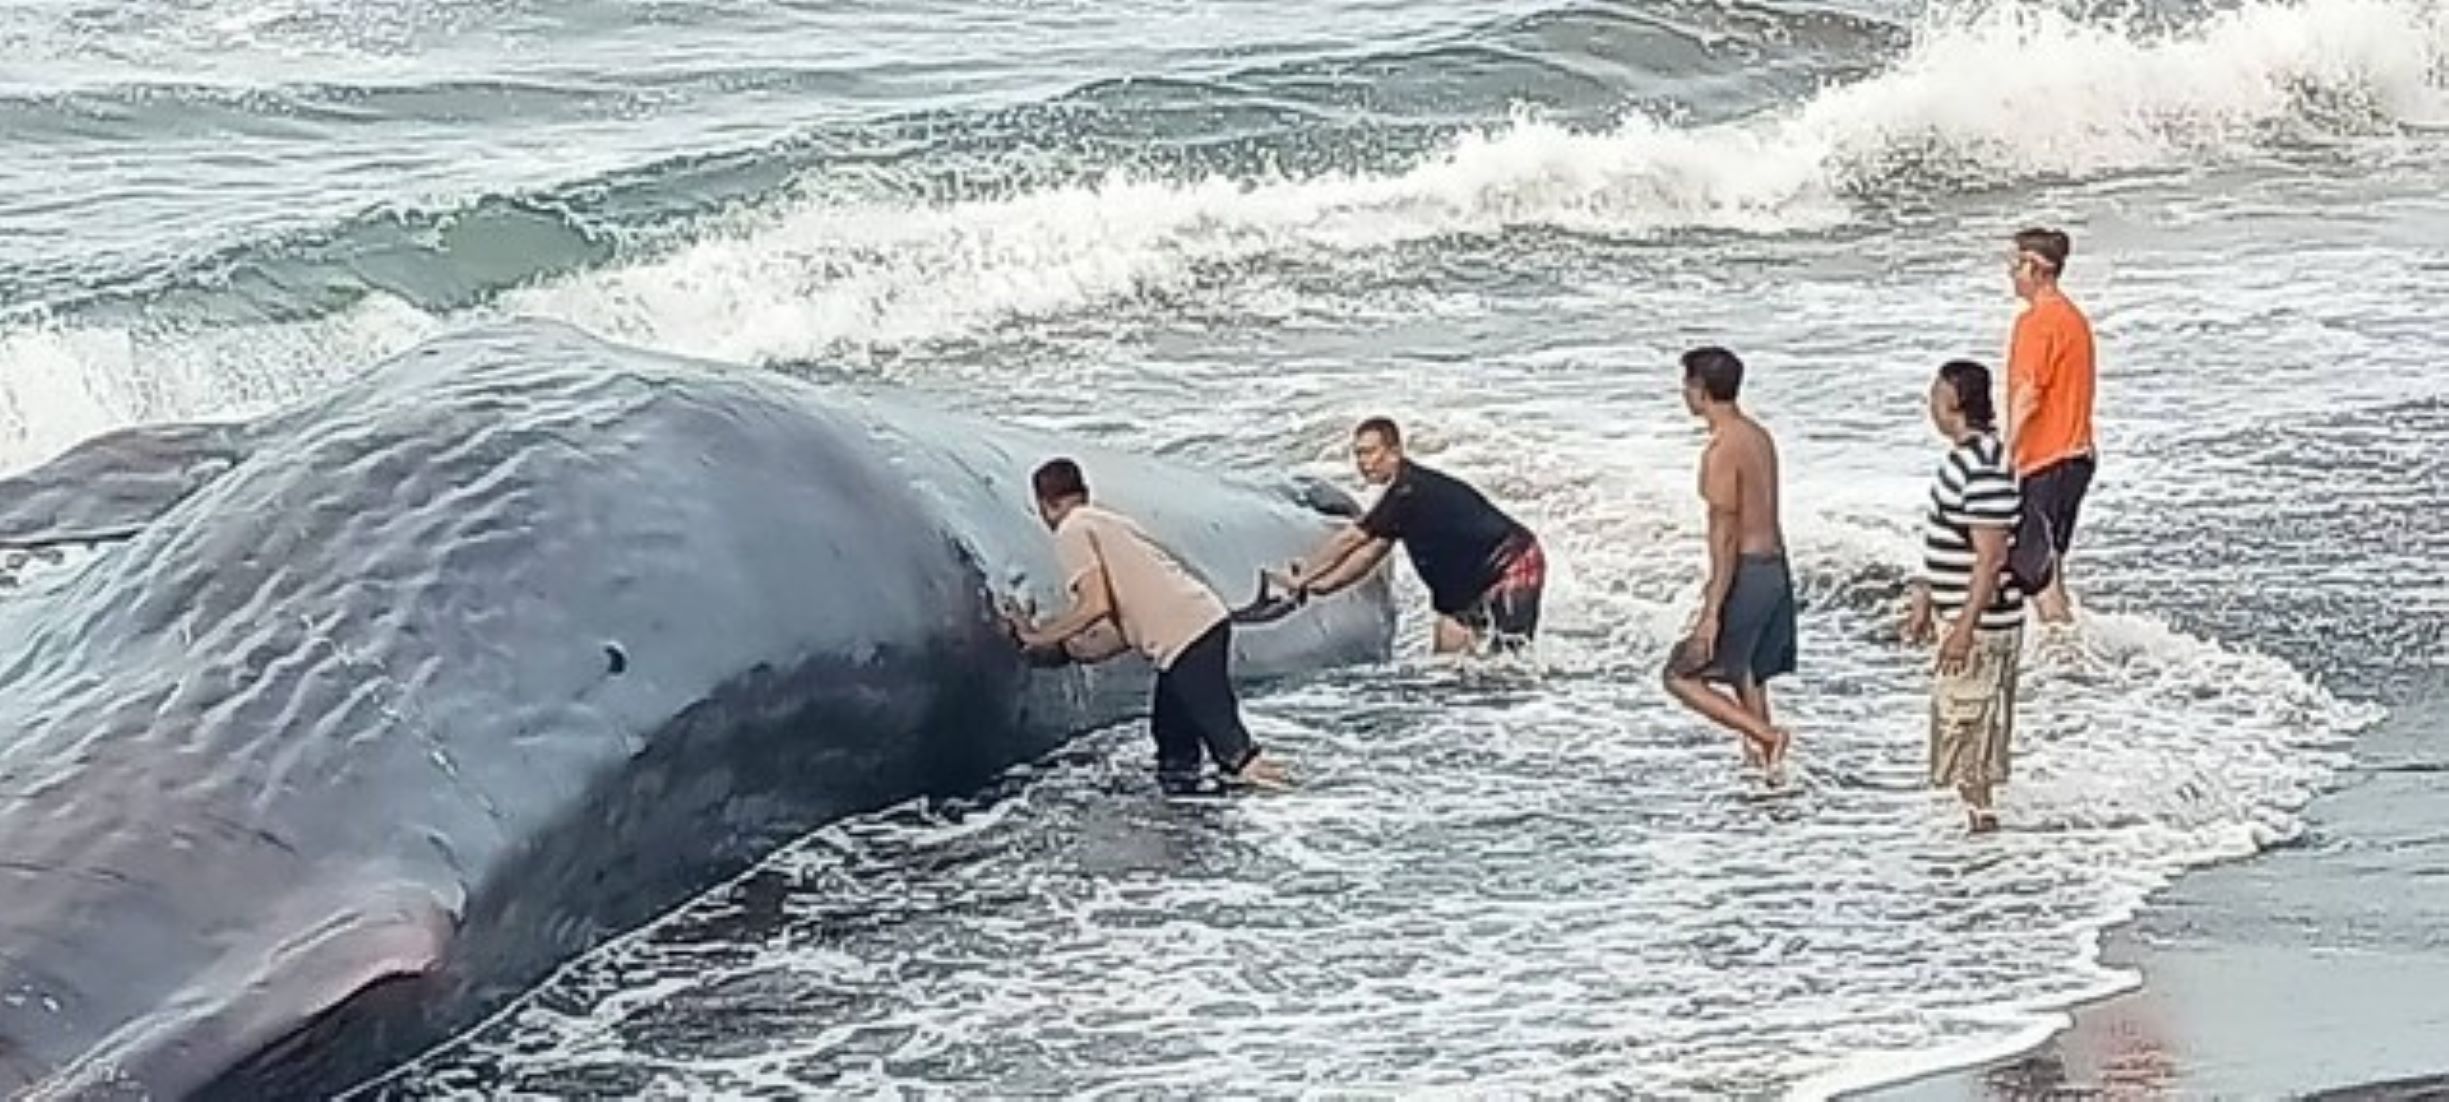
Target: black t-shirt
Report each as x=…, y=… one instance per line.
x=1454, y=536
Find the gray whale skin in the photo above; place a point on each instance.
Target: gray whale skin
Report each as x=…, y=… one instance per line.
x=370, y=712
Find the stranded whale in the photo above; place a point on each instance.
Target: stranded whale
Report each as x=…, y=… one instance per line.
x=373, y=710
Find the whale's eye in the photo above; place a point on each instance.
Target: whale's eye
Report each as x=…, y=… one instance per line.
x=616, y=660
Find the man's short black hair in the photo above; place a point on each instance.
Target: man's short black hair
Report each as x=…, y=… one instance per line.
x=1384, y=428
x=1058, y=479
x=2052, y=246
x=1717, y=370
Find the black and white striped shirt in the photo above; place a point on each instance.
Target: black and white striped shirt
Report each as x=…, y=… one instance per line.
x=1974, y=487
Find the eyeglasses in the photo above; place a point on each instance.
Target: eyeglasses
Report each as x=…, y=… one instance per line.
x=2017, y=258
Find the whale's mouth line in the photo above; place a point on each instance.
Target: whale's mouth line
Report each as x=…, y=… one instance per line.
x=52, y=540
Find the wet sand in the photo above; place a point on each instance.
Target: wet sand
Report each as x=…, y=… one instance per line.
x=2320, y=968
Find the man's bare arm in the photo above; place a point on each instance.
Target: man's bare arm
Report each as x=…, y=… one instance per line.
x=1090, y=604
x=1330, y=554
x=1722, y=489
x=1989, y=561
x=2025, y=403
x=1354, y=566
x=2026, y=364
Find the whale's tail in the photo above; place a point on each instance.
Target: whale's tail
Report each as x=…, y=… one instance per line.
x=108, y=488
x=1270, y=605
x=1319, y=496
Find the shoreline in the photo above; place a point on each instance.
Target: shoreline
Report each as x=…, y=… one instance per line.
x=2316, y=968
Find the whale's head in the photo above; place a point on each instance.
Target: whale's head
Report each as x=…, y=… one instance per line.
x=336, y=672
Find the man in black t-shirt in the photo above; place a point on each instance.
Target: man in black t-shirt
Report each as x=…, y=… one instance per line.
x=1484, y=571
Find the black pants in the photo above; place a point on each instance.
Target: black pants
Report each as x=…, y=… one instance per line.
x=1195, y=708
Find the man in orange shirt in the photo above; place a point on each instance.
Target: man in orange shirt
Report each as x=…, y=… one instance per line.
x=2049, y=427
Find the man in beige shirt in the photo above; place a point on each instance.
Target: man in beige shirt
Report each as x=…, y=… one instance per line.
x=1116, y=573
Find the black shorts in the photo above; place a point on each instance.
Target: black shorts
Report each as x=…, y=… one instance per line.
x=1507, y=615
x=2053, y=500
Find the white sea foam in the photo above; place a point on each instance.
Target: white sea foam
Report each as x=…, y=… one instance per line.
x=62, y=383
x=2010, y=95
x=1490, y=887
x=1497, y=883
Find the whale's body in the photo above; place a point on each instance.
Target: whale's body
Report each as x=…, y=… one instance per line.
x=380, y=707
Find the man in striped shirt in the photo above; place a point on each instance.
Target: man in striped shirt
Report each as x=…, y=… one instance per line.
x=1967, y=597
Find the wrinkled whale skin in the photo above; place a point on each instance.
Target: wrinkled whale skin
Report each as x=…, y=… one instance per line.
x=378, y=708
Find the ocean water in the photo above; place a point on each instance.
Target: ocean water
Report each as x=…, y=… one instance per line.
x=1228, y=231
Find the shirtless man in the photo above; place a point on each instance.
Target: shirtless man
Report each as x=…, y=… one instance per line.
x=1746, y=631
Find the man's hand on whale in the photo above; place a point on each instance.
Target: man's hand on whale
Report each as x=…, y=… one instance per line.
x=1092, y=605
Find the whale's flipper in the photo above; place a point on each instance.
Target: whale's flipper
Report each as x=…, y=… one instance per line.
x=110, y=487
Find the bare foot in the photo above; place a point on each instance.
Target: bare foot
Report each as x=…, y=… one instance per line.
x=1983, y=821
x=1266, y=773
x=1775, y=756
